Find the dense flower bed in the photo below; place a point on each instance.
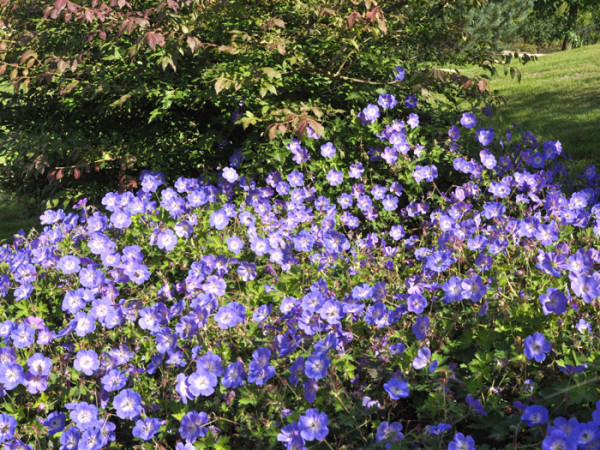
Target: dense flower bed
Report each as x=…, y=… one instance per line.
x=337, y=306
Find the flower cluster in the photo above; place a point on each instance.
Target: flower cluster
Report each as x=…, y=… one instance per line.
x=330, y=303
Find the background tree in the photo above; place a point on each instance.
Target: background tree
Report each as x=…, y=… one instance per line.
x=101, y=90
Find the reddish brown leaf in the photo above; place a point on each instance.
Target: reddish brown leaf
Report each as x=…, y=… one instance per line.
x=352, y=18
x=482, y=85
x=155, y=39
x=88, y=15
x=61, y=66
x=27, y=55
x=59, y=5
x=193, y=43
x=272, y=133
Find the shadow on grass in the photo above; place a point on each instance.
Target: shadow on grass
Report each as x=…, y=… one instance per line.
x=16, y=213
x=576, y=125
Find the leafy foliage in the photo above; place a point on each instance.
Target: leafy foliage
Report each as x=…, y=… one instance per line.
x=104, y=89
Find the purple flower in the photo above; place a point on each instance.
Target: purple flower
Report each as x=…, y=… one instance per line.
x=476, y=405
x=84, y=416
x=230, y=174
x=7, y=427
x=228, y=316
x=166, y=240
x=219, y=219
x=536, y=346
x=422, y=359
x=427, y=173
x=389, y=432
x=234, y=375
x=468, y=120
x=192, y=426
x=369, y=115
x=70, y=438
x=55, y=422
x=558, y=439
x=87, y=362
x=202, y=382
x=128, y=404
x=69, y=264
x=335, y=177
x=485, y=137
x=420, y=327
x=114, y=380
x=328, y=150
x=411, y=101
x=387, y=101
x=313, y=425
x=23, y=336
x=399, y=73
x=416, y=303
x=11, y=375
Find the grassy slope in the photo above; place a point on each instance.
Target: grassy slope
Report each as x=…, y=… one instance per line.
x=558, y=98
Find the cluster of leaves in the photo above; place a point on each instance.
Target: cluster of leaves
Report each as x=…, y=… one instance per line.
x=350, y=305
x=105, y=89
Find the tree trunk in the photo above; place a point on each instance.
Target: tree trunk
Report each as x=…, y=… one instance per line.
x=571, y=22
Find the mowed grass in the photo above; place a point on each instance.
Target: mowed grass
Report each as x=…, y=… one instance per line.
x=558, y=98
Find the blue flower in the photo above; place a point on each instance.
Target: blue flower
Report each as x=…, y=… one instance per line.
x=313, y=425
x=328, y=150
x=234, y=375
x=536, y=346
x=55, y=422
x=559, y=440
x=389, y=432
x=399, y=73
x=316, y=366
x=468, y=120
x=84, y=415
x=7, y=427
x=396, y=389
x=422, y=359
x=553, y=301
x=388, y=101
x=202, y=382
x=145, y=429
x=535, y=415
x=461, y=442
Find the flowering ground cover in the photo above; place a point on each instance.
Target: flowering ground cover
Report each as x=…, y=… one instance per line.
x=337, y=305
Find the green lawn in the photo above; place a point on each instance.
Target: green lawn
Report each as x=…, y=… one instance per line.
x=558, y=98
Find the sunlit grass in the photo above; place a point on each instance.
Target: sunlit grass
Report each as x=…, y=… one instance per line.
x=558, y=98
